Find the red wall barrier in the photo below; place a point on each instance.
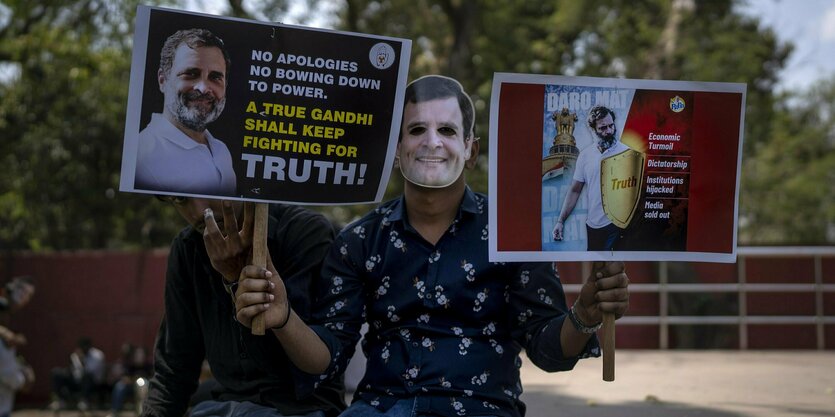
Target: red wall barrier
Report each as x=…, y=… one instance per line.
x=111, y=297
x=117, y=297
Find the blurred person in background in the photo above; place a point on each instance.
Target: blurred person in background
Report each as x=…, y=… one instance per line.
x=126, y=374
x=77, y=382
x=15, y=374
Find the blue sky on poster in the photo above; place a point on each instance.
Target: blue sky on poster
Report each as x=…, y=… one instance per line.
x=809, y=24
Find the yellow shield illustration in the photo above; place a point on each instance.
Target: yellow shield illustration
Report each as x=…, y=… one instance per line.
x=621, y=179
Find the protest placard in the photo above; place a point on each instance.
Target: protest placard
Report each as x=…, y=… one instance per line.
x=273, y=113
x=586, y=168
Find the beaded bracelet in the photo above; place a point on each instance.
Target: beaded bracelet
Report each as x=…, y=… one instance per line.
x=579, y=325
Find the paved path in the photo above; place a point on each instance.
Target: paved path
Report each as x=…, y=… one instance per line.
x=676, y=384
x=689, y=383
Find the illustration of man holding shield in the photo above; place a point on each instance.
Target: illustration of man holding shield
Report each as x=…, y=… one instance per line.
x=613, y=172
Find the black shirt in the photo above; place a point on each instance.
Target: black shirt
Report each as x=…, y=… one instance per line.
x=200, y=322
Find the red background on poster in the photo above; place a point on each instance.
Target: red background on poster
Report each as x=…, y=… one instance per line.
x=519, y=175
x=716, y=123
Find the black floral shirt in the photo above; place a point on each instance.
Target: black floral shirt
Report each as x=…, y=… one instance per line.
x=445, y=325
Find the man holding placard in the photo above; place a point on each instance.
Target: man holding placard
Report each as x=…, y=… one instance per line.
x=253, y=373
x=175, y=150
x=334, y=146
x=446, y=325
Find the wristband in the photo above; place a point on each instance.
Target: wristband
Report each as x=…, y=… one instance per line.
x=579, y=325
x=286, y=319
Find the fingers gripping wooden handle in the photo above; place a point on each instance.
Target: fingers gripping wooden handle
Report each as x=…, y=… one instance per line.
x=259, y=255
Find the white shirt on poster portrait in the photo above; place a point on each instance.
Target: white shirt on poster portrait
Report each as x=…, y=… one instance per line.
x=588, y=172
x=168, y=160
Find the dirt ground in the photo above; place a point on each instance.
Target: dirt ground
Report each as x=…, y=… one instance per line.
x=673, y=384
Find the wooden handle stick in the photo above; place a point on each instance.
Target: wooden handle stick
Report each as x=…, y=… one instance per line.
x=259, y=255
x=608, y=347
x=608, y=330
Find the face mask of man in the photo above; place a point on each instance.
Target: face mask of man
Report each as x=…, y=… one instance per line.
x=433, y=148
x=418, y=178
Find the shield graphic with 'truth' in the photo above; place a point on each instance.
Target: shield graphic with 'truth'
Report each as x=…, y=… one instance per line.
x=621, y=179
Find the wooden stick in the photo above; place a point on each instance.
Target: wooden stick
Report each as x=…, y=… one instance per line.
x=608, y=347
x=259, y=255
x=608, y=330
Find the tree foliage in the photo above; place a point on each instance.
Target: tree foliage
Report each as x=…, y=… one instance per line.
x=648, y=39
x=62, y=113
x=64, y=68
x=789, y=181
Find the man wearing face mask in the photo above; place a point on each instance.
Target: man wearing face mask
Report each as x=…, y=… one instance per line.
x=601, y=233
x=446, y=326
x=176, y=153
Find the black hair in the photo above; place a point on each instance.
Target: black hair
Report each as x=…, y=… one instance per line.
x=599, y=112
x=433, y=87
x=193, y=38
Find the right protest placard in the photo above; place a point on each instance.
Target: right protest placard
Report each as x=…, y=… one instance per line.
x=588, y=168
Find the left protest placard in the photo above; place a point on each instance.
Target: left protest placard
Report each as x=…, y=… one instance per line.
x=265, y=112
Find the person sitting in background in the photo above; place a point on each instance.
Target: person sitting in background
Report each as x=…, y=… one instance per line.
x=16, y=294
x=15, y=374
x=132, y=366
x=85, y=373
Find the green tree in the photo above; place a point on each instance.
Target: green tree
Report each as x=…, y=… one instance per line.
x=789, y=181
x=272, y=10
x=469, y=40
x=62, y=112
x=648, y=39
x=64, y=69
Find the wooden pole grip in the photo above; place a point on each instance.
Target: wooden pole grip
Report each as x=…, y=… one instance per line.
x=608, y=347
x=259, y=255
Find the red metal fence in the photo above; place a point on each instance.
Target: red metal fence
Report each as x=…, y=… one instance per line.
x=772, y=298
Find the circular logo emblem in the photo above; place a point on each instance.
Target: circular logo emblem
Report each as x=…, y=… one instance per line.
x=676, y=104
x=381, y=55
